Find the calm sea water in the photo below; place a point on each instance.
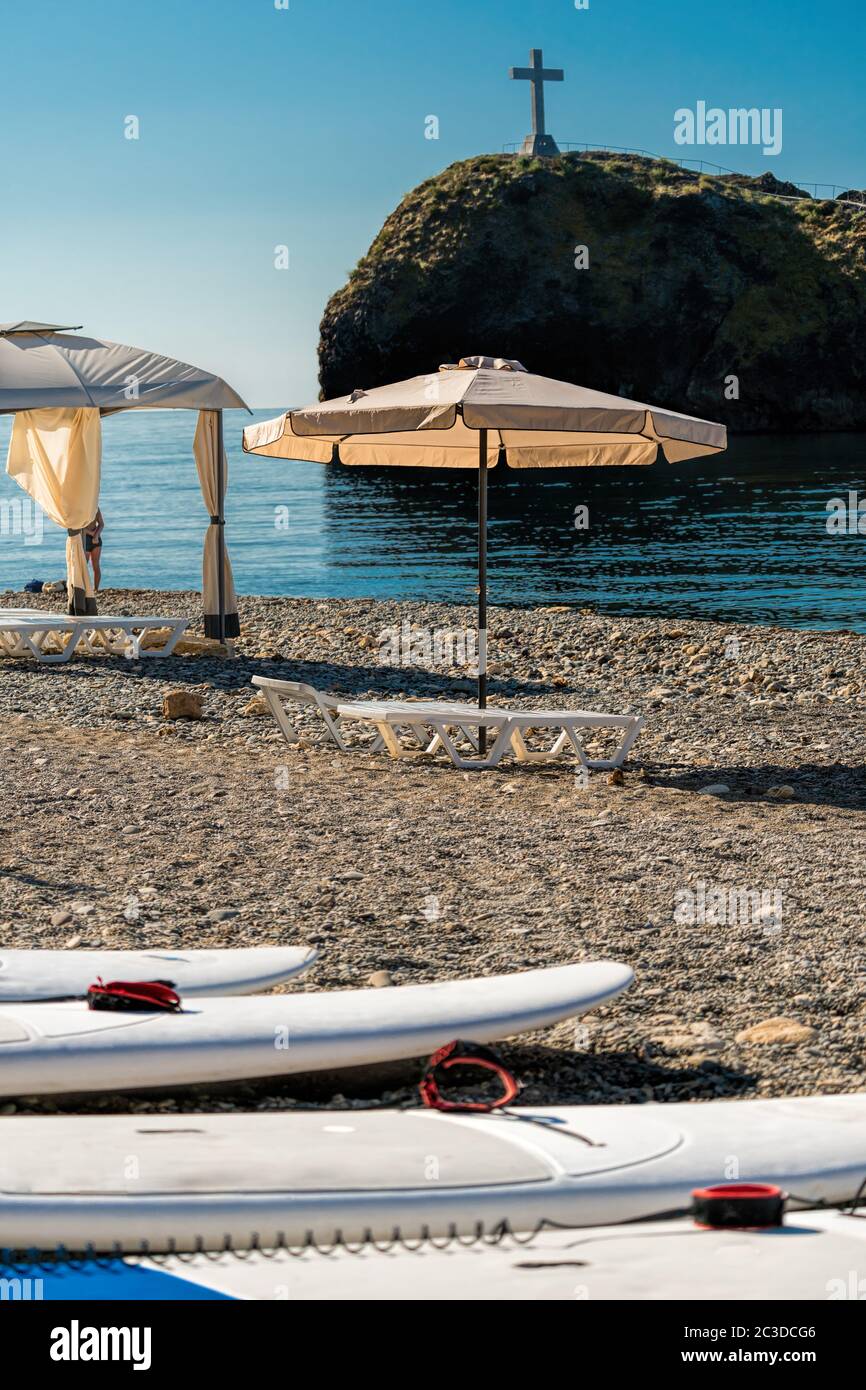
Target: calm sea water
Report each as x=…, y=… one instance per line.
x=739, y=537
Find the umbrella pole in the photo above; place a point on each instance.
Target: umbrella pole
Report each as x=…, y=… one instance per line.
x=482, y=584
x=221, y=526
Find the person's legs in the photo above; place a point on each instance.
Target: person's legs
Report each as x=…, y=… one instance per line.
x=95, y=558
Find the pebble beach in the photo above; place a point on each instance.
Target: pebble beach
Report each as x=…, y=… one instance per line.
x=725, y=864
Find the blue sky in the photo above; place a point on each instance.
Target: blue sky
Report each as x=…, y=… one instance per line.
x=304, y=127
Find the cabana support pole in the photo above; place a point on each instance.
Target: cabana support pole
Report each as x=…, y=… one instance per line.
x=482, y=583
x=221, y=528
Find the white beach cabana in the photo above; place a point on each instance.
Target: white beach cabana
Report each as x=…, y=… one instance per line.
x=58, y=386
x=472, y=414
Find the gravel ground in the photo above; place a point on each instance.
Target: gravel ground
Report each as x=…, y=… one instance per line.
x=127, y=830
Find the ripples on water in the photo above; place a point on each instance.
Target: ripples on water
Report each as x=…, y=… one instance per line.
x=739, y=537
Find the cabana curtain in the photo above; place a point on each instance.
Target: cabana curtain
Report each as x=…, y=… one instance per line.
x=206, y=448
x=55, y=455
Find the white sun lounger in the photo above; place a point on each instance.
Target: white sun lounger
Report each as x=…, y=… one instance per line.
x=123, y=636
x=508, y=729
x=281, y=693
x=432, y=723
x=39, y=635
x=55, y=637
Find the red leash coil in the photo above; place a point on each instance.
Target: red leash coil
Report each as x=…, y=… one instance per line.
x=465, y=1054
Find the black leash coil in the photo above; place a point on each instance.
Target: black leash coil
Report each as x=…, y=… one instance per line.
x=90, y=1256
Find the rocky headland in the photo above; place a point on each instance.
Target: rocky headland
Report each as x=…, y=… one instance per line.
x=734, y=298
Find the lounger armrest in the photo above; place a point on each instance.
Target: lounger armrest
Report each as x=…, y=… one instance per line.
x=298, y=691
x=284, y=687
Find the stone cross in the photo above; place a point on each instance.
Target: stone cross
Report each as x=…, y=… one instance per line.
x=539, y=142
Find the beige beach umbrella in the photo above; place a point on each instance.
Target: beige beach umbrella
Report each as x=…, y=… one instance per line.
x=58, y=384
x=471, y=415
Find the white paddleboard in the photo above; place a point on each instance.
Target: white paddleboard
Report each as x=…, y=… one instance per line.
x=48, y=1049
x=816, y=1256
x=42, y=975
x=163, y=1182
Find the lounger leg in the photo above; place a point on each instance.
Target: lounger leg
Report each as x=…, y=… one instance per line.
x=466, y=730
x=332, y=722
x=521, y=752
x=436, y=742
x=174, y=633
x=541, y=755
x=417, y=732
x=500, y=746
x=173, y=639
x=524, y=754
x=73, y=643
x=391, y=740
x=421, y=736
x=579, y=749
x=32, y=641
x=113, y=640
x=118, y=641
x=445, y=741
x=290, y=733
x=35, y=643
x=472, y=738
x=622, y=752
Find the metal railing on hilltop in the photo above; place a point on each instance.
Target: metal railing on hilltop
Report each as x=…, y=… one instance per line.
x=811, y=191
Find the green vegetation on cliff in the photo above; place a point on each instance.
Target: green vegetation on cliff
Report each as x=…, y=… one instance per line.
x=691, y=280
